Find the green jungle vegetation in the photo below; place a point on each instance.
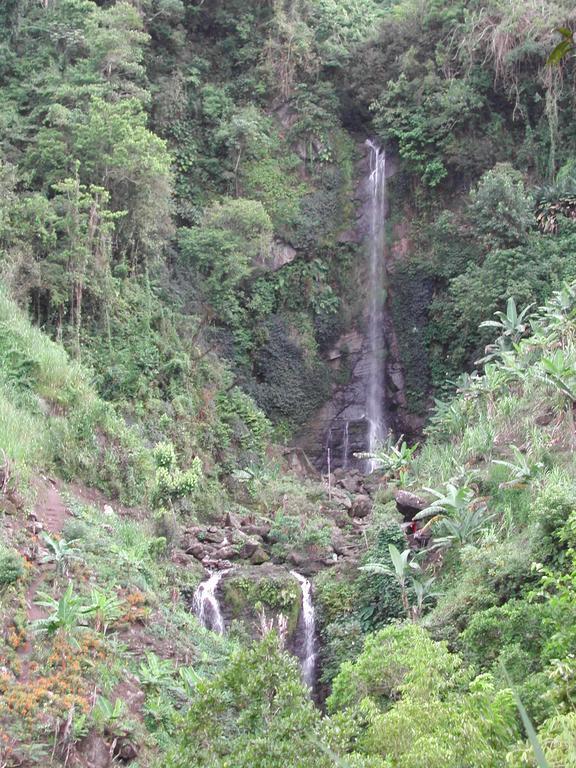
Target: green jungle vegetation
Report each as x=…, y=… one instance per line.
x=177, y=181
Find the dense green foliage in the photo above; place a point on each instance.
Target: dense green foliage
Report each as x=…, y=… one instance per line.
x=177, y=259
x=483, y=128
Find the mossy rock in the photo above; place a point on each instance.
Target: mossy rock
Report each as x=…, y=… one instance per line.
x=246, y=592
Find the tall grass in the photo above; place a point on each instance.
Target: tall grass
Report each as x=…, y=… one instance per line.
x=23, y=434
x=57, y=378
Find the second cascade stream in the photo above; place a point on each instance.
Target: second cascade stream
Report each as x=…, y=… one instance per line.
x=206, y=606
x=309, y=624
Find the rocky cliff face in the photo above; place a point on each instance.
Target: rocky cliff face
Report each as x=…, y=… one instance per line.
x=340, y=428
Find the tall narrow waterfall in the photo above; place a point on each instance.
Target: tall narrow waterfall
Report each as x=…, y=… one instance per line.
x=205, y=603
x=346, y=445
x=308, y=657
x=375, y=414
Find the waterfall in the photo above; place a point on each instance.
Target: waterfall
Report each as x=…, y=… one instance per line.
x=309, y=623
x=375, y=415
x=205, y=603
x=346, y=445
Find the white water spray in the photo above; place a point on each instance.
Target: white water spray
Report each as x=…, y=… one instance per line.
x=375, y=415
x=309, y=623
x=205, y=603
x=346, y=445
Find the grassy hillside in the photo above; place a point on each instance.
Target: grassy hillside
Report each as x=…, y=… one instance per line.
x=52, y=418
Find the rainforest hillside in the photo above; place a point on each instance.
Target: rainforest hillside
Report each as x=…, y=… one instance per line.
x=184, y=297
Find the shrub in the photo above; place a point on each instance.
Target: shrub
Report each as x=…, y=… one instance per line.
x=255, y=714
x=342, y=641
x=398, y=659
x=515, y=623
x=552, y=507
x=246, y=427
x=485, y=576
x=11, y=567
x=420, y=707
x=290, y=384
x=500, y=208
x=380, y=598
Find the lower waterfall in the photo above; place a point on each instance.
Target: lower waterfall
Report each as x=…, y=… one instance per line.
x=205, y=603
x=308, y=657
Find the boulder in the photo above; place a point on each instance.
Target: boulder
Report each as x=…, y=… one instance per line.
x=409, y=504
x=361, y=506
x=253, y=529
x=259, y=556
x=310, y=564
x=212, y=535
x=211, y=564
x=8, y=507
x=125, y=750
x=351, y=483
x=248, y=549
x=225, y=553
x=232, y=520
x=297, y=559
x=94, y=751
x=236, y=536
x=339, y=543
x=195, y=548
x=179, y=558
x=342, y=498
x=338, y=515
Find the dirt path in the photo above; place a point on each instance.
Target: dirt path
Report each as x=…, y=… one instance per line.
x=50, y=513
x=49, y=509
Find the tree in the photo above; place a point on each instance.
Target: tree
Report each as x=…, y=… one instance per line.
x=500, y=208
x=416, y=705
x=404, y=568
x=255, y=714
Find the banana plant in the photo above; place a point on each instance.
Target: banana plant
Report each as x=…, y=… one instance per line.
x=511, y=324
x=448, y=418
x=68, y=615
x=60, y=552
x=403, y=567
x=155, y=673
x=106, y=715
x=459, y=517
x=521, y=468
x=422, y=592
x=462, y=528
x=451, y=501
x=560, y=370
x=105, y=608
x=186, y=685
x=393, y=458
x=564, y=47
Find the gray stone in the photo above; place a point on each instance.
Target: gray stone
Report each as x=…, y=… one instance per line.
x=342, y=498
x=249, y=548
x=212, y=535
x=232, y=520
x=361, y=506
x=196, y=549
x=179, y=558
x=409, y=504
x=351, y=483
x=225, y=553
x=252, y=529
x=259, y=556
x=219, y=565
